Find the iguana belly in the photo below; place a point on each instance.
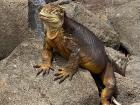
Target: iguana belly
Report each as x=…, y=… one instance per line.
x=91, y=65
x=60, y=47
x=86, y=60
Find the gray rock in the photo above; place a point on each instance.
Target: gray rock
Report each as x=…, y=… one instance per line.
x=129, y=87
x=13, y=25
x=133, y=69
x=124, y=15
x=100, y=6
x=96, y=6
x=136, y=104
x=117, y=2
x=126, y=21
x=100, y=27
x=20, y=86
x=129, y=90
x=120, y=59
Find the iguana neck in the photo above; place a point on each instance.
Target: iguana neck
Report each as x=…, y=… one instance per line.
x=53, y=32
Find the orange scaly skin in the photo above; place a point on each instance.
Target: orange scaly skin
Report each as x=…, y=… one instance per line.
x=71, y=48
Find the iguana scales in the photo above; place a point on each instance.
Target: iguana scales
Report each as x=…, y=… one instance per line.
x=79, y=46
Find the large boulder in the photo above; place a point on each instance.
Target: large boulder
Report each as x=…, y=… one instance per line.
x=136, y=104
x=116, y=3
x=133, y=69
x=102, y=29
x=99, y=6
x=20, y=86
x=126, y=21
x=96, y=6
x=13, y=25
x=129, y=87
x=120, y=59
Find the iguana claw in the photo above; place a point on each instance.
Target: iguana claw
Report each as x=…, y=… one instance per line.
x=64, y=73
x=45, y=69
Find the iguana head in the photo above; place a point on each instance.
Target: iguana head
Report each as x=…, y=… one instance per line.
x=52, y=14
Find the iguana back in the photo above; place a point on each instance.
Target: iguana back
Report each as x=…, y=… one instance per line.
x=87, y=40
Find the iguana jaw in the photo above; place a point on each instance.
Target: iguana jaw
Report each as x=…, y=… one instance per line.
x=53, y=30
x=49, y=18
x=52, y=17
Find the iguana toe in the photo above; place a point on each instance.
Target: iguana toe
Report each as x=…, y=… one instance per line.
x=44, y=69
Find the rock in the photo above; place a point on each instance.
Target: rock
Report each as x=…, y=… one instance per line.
x=136, y=104
x=129, y=90
x=133, y=69
x=116, y=3
x=61, y=2
x=100, y=6
x=129, y=87
x=20, y=86
x=120, y=59
x=124, y=16
x=100, y=27
x=126, y=21
x=13, y=25
x=96, y=6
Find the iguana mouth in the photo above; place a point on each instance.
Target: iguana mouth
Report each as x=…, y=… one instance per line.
x=49, y=18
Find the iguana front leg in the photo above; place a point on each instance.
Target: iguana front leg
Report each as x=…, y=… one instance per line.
x=45, y=67
x=71, y=67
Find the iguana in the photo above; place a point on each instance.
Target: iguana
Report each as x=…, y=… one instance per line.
x=79, y=46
